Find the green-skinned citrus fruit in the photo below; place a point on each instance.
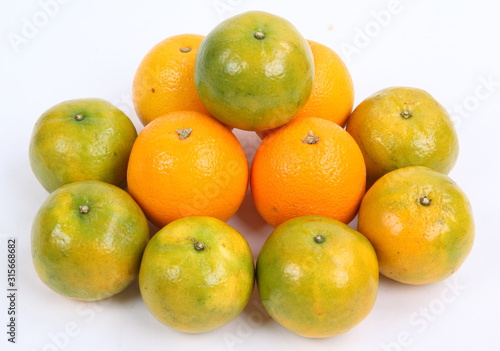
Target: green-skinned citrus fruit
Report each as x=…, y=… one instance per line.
x=87, y=240
x=82, y=139
x=254, y=71
x=400, y=127
x=197, y=274
x=420, y=224
x=317, y=276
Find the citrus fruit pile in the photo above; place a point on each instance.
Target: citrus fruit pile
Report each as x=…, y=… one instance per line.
x=320, y=164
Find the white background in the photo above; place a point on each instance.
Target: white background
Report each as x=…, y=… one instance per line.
x=75, y=49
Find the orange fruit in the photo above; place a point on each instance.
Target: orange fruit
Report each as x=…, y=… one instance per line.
x=309, y=166
x=81, y=139
x=317, y=276
x=164, y=80
x=332, y=95
x=420, y=224
x=187, y=164
x=400, y=127
x=254, y=71
x=197, y=274
x=87, y=240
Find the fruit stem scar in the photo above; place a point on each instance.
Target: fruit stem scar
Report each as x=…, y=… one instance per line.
x=184, y=133
x=405, y=114
x=424, y=201
x=84, y=209
x=199, y=246
x=310, y=138
x=259, y=35
x=319, y=238
x=78, y=117
x=185, y=49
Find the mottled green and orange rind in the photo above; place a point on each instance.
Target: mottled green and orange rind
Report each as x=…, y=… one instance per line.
x=317, y=289
x=193, y=290
x=93, y=255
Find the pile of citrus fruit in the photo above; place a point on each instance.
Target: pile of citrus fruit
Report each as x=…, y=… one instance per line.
x=320, y=164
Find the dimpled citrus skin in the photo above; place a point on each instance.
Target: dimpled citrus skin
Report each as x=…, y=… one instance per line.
x=291, y=178
x=193, y=290
x=332, y=95
x=88, y=256
x=317, y=289
x=389, y=141
x=415, y=243
x=251, y=83
x=203, y=174
x=164, y=80
x=97, y=147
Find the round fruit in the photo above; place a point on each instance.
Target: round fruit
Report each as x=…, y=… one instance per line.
x=187, y=164
x=317, y=277
x=400, y=127
x=332, y=95
x=197, y=274
x=164, y=80
x=254, y=71
x=420, y=224
x=309, y=166
x=83, y=139
x=87, y=240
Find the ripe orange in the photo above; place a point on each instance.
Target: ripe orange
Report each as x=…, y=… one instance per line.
x=164, y=80
x=317, y=277
x=332, y=95
x=309, y=166
x=420, y=224
x=187, y=164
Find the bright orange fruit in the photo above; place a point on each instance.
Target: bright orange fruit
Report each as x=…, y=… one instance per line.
x=187, y=164
x=310, y=166
x=332, y=95
x=164, y=80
